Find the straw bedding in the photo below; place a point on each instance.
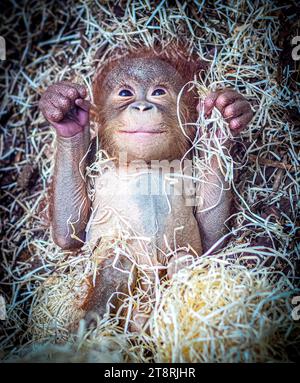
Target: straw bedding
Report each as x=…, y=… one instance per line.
x=229, y=306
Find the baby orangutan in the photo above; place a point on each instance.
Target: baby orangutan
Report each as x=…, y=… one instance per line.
x=135, y=109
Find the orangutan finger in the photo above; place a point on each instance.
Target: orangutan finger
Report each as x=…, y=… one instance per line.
x=83, y=104
x=60, y=102
x=51, y=113
x=209, y=102
x=241, y=122
x=81, y=89
x=226, y=98
x=236, y=109
x=65, y=90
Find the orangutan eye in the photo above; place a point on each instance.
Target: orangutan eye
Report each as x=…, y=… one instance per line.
x=158, y=92
x=125, y=93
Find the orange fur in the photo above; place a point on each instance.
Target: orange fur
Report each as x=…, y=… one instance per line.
x=177, y=55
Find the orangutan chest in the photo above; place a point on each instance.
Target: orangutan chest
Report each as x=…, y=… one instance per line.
x=143, y=206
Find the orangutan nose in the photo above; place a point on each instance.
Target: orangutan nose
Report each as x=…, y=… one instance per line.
x=141, y=106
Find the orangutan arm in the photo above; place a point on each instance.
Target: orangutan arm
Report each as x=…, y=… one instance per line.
x=215, y=200
x=70, y=204
x=214, y=194
x=64, y=106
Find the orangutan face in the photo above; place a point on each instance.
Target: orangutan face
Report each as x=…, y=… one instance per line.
x=139, y=111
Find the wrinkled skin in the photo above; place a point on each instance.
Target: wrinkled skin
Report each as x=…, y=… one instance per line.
x=234, y=108
x=137, y=115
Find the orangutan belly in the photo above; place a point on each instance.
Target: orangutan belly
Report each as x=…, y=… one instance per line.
x=145, y=210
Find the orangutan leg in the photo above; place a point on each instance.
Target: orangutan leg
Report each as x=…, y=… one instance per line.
x=114, y=281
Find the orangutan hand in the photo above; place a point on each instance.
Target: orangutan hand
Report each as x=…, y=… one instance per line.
x=235, y=109
x=63, y=105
